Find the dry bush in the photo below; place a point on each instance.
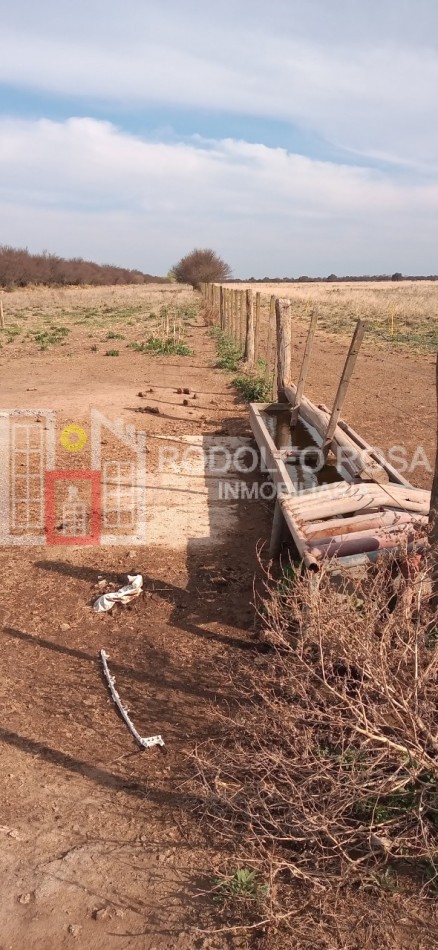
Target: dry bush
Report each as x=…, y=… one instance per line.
x=202, y=265
x=325, y=773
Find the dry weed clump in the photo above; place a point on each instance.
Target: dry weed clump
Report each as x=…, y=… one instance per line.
x=326, y=771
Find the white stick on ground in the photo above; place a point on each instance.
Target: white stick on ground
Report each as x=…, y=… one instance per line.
x=144, y=743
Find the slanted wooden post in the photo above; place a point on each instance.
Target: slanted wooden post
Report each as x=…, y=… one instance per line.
x=283, y=333
x=347, y=373
x=258, y=298
x=304, y=367
x=2, y=315
x=249, y=335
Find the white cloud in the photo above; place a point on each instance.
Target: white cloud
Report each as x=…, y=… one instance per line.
x=83, y=187
x=363, y=75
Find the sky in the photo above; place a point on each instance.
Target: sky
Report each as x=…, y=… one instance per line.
x=293, y=137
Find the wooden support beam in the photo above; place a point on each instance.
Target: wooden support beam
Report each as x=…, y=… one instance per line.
x=347, y=373
x=304, y=367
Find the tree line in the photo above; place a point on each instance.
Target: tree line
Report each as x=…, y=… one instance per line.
x=19, y=268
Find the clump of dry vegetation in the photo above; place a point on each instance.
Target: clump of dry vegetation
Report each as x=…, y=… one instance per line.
x=324, y=777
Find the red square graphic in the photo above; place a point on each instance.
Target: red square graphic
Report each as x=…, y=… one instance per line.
x=50, y=515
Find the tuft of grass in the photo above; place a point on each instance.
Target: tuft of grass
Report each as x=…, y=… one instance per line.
x=166, y=346
x=252, y=388
x=112, y=353
x=114, y=336
x=228, y=352
x=93, y=348
x=51, y=337
x=244, y=884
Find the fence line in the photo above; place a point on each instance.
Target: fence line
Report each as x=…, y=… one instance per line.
x=262, y=328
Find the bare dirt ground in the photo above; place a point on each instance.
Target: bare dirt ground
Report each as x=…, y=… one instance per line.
x=101, y=847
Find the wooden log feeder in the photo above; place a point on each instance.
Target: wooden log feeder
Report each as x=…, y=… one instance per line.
x=352, y=505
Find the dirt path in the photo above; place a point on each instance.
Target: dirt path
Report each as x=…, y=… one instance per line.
x=99, y=846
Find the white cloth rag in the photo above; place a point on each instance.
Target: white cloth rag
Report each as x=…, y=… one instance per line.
x=122, y=596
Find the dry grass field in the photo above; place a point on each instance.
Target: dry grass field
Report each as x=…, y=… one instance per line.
x=399, y=313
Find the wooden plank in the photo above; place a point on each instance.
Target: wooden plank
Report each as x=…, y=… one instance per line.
x=271, y=455
x=319, y=530
x=350, y=504
x=393, y=496
x=347, y=373
x=304, y=366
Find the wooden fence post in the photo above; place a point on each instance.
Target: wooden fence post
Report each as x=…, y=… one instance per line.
x=2, y=315
x=304, y=367
x=221, y=308
x=249, y=335
x=270, y=333
x=283, y=333
x=242, y=315
x=347, y=373
x=433, y=517
x=258, y=298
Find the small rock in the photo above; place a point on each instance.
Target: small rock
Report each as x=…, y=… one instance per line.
x=120, y=912
x=194, y=396
x=74, y=929
x=179, y=391
x=141, y=395
x=186, y=392
x=154, y=409
x=185, y=402
x=65, y=626
x=151, y=390
x=24, y=898
x=101, y=913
